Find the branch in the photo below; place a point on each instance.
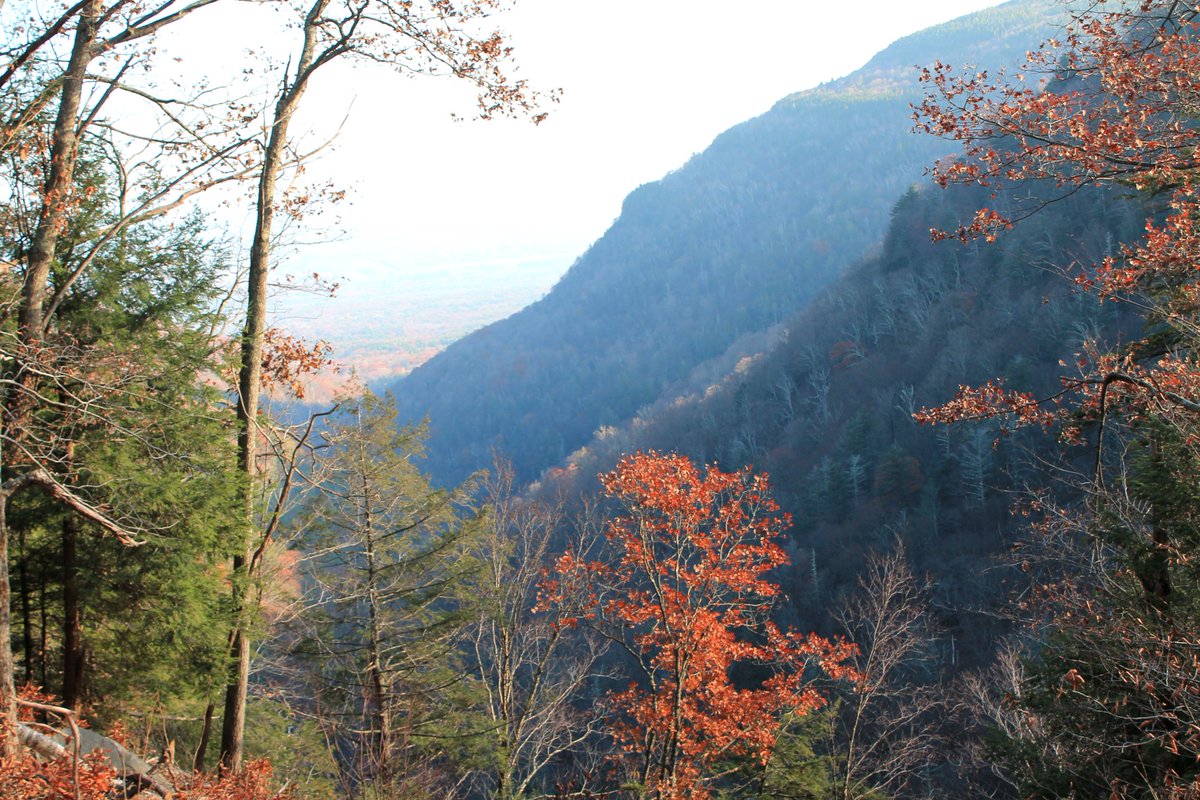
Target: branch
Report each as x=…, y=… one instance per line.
x=85, y=123
x=41, y=477
x=145, y=211
x=37, y=44
x=163, y=104
x=289, y=477
x=144, y=27
x=1174, y=397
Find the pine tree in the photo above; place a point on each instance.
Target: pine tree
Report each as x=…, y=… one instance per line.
x=389, y=568
x=127, y=418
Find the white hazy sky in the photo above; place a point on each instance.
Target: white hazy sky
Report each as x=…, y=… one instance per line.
x=646, y=83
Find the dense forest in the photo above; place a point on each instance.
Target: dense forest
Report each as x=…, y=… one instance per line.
x=812, y=478
x=728, y=245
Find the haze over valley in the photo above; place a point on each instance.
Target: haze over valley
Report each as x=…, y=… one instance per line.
x=394, y=314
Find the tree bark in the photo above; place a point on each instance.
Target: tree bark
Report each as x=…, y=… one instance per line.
x=205, y=735
x=233, y=723
x=72, y=680
x=43, y=630
x=8, y=692
x=63, y=151
x=250, y=382
x=26, y=605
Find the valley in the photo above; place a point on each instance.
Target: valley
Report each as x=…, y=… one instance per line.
x=393, y=315
x=856, y=459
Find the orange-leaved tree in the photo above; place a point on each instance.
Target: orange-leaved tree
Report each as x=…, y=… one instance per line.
x=686, y=591
x=1119, y=109
x=1115, y=690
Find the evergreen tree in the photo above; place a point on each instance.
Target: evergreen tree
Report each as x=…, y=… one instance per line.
x=128, y=418
x=388, y=570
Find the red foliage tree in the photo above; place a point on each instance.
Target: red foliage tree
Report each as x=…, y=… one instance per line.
x=688, y=594
x=1113, y=101
x=1121, y=91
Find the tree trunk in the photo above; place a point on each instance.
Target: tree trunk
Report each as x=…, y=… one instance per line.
x=63, y=150
x=381, y=718
x=26, y=605
x=233, y=723
x=72, y=680
x=8, y=692
x=205, y=735
x=38, y=260
x=43, y=630
x=249, y=386
x=1154, y=568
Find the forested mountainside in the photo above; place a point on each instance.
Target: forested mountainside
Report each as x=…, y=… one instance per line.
x=826, y=406
x=730, y=244
x=795, y=572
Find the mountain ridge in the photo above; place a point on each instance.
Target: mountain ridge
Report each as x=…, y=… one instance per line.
x=732, y=242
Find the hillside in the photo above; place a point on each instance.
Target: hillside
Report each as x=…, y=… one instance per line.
x=728, y=245
x=825, y=406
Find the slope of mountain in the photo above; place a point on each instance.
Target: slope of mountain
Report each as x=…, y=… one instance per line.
x=826, y=407
x=728, y=245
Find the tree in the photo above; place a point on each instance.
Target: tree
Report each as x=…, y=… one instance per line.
x=144, y=315
x=687, y=595
x=1112, y=102
x=63, y=67
x=426, y=37
x=878, y=736
x=116, y=408
x=534, y=674
x=883, y=729
x=1110, y=695
x=388, y=570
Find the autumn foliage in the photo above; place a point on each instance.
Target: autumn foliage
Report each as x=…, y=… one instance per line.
x=687, y=590
x=1111, y=103
x=25, y=776
x=1121, y=88
x=1114, y=696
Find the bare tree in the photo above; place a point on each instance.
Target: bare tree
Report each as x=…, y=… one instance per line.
x=885, y=728
x=976, y=455
x=991, y=701
x=427, y=37
x=534, y=671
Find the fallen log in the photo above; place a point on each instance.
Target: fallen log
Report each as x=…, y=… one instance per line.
x=132, y=771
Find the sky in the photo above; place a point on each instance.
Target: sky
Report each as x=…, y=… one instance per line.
x=432, y=204
x=645, y=84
